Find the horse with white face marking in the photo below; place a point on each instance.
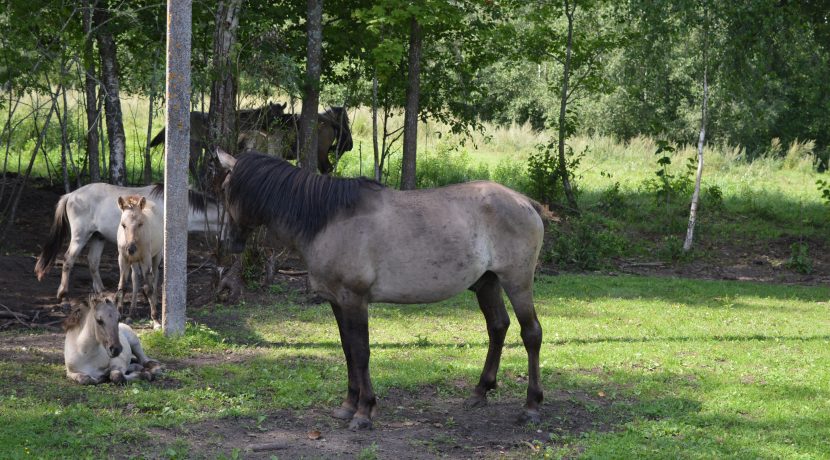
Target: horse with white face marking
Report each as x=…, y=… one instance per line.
x=140, y=243
x=99, y=348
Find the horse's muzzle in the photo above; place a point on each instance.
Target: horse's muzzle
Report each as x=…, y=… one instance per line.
x=131, y=249
x=115, y=350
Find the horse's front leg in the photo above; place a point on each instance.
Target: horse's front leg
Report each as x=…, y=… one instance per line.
x=123, y=268
x=356, y=325
x=346, y=410
x=136, y=269
x=82, y=378
x=151, y=276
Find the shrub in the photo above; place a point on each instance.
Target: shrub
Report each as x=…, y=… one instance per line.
x=800, y=260
x=586, y=243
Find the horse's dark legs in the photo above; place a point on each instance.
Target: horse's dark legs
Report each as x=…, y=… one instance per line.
x=521, y=297
x=356, y=325
x=349, y=407
x=492, y=306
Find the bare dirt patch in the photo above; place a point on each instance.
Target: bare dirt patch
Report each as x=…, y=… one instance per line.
x=419, y=424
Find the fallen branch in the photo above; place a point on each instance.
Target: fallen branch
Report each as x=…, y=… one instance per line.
x=293, y=272
x=268, y=446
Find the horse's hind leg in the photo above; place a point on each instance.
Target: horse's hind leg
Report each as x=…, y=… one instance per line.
x=349, y=407
x=76, y=245
x=488, y=292
x=96, y=248
x=521, y=297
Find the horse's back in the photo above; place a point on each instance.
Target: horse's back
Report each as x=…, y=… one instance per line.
x=427, y=245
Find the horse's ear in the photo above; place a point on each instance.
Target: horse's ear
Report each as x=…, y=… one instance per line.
x=142, y=202
x=122, y=203
x=225, y=159
x=91, y=301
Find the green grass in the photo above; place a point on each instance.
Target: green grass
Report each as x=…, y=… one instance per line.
x=691, y=369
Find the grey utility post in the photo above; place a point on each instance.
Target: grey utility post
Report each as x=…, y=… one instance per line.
x=176, y=148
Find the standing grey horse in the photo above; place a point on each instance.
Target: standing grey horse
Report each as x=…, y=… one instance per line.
x=366, y=243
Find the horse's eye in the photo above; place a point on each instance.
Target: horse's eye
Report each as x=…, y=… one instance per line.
x=141, y=224
x=100, y=322
x=123, y=225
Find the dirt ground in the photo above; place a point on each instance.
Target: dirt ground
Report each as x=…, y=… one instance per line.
x=413, y=425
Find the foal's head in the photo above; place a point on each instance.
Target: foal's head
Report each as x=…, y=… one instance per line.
x=99, y=318
x=106, y=317
x=132, y=222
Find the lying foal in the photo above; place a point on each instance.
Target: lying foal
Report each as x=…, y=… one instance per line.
x=99, y=348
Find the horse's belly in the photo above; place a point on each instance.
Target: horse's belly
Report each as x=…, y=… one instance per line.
x=423, y=286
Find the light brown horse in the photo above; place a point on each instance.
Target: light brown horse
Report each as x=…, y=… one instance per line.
x=98, y=348
x=366, y=243
x=140, y=244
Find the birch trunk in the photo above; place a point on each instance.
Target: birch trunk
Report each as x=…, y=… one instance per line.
x=690, y=230
x=112, y=101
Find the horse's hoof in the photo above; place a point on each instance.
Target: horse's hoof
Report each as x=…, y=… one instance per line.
x=343, y=413
x=147, y=375
x=475, y=401
x=529, y=416
x=117, y=378
x=153, y=366
x=360, y=423
x=156, y=325
x=87, y=380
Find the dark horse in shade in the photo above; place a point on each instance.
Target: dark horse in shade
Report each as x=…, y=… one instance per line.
x=366, y=243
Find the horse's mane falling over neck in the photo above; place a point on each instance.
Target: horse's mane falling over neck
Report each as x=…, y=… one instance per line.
x=266, y=189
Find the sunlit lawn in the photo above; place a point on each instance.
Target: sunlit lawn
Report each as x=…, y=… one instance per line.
x=693, y=369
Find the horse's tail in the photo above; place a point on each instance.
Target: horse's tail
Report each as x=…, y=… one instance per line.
x=544, y=212
x=159, y=139
x=58, y=232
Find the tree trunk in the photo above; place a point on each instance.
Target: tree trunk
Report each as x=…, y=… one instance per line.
x=90, y=85
x=148, y=158
x=176, y=146
x=112, y=101
x=375, y=125
x=563, y=130
x=413, y=93
x=222, y=112
x=8, y=220
x=311, y=97
x=690, y=230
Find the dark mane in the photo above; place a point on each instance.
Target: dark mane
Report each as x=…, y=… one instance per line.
x=339, y=120
x=268, y=189
x=196, y=200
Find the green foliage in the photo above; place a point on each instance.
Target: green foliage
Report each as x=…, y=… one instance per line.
x=667, y=185
x=587, y=242
x=545, y=175
x=800, y=259
x=824, y=190
x=713, y=198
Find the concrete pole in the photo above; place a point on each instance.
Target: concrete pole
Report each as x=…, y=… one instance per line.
x=176, y=148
